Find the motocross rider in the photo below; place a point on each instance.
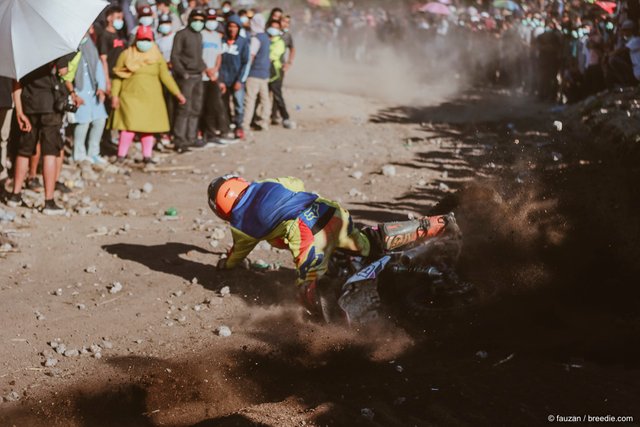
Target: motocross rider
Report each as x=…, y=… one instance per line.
x=281, y=212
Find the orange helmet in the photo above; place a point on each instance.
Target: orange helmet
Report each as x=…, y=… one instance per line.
x=224, y=192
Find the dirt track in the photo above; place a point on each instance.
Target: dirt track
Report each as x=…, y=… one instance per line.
x=531, y=245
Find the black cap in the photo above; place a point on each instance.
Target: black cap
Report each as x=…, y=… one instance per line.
x=145, y=11
x=197, y=12
x=164, y=19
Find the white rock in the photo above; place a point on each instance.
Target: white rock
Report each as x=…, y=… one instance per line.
x=115, y=287
x=12, y=397
x=91, y=269
x=134, y=194
x=389, y=170
x=107, y=344
x=51, y=362
x=147, y=187
x=356, y=175
x=98, y=355
x=558, y=125
x=224, y=331
x=80, y=306
x=58, y=292
x=224, y=291
x=218, y=234
x=71, y=353
x=61, y=348
x=367, y=413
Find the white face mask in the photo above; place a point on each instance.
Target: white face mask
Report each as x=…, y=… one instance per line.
x=226, y=9
x=211, y=25
x=146, y=21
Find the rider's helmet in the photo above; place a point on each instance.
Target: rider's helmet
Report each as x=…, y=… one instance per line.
x=224, y=192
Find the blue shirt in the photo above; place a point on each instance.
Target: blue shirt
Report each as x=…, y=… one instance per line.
x=264, y=205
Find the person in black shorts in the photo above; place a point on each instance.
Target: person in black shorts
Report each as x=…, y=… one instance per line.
x=38, y=122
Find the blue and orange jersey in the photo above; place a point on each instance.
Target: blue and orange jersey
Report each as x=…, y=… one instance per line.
x=266, y=211
x=264, y=205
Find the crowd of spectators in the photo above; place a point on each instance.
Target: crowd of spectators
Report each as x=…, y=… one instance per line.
x=182, y=72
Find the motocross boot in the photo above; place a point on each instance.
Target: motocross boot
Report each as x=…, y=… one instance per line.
x=320, y=299
x=394, y=235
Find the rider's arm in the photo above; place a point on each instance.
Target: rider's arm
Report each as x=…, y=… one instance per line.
x=242, y=245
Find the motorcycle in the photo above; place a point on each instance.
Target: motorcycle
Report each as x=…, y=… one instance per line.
x=412, y=274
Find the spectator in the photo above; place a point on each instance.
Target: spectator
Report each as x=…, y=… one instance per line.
x=111, y=43
x=39, y=119
x=257, y=85
x=287, y=63
x=188, y=66
x=166, y=36
x=137, y=94
x=165, y=7
x=233, y=71
x=6, y=104
x=276, y=56
x=227, y=10
x=214, y=115
x=88, y=84
x=620, y=65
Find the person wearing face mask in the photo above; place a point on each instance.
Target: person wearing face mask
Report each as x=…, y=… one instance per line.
x=137, y=101
x=145, y=17
x=227, y=10
x=88, y=83
x=112, y=42
x=214, y=115
x=233, y=72
x=166, y=7
x=290, y=54
x=257, y=86
x=244, y=18
x=165, y=44
x=188, y=66
x=276, y=55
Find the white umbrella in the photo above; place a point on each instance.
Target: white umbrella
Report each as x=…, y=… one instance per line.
x=35, y=32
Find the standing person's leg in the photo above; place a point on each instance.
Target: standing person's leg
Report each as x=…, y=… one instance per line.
x=252, y=90
x=278, y=100
x=34, y=162
x=79, y=141
x=207, y=118
x=195, y=111
x=238, y=105
x=126, y=139
x=218, y=110
x=181, y=120
x=97, y=128
x=4, y=136
x=147, y=141
x=51, y=144
x=265, y=112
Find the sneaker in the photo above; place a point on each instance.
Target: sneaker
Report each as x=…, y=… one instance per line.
x=61, y=187
x=199, y=143
x=289, y=124
x=182, y=149
x=34, y=184
x=14, y=200
x=98, y=160
x=120, y=160
x=149, y=161
x=239, y=133
x=52, y=209
x=275, y=122
x=221, y=142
